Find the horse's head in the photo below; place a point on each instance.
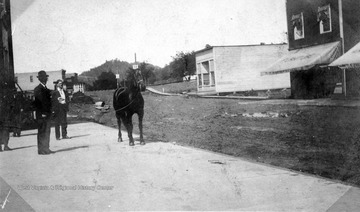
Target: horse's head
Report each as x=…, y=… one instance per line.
x=135, y=80
x=139, y=80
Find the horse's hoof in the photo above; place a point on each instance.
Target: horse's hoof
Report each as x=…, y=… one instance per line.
x=131, y=144
x=120, y=140
x=142, y=143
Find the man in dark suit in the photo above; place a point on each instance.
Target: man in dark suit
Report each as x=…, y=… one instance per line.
x=43, y=114
x=60, y=106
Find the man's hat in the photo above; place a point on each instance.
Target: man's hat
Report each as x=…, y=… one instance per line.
x=42, y=74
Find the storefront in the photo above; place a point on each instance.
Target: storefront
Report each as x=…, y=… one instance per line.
x=309, y=75
x=350, y=64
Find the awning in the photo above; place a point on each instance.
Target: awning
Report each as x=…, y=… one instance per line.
x=350, y=59
x=305, y=58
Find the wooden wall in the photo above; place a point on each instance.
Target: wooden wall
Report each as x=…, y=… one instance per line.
x=311, y=25
x=239, y=68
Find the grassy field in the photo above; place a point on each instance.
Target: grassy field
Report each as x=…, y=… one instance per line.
x=323, y=141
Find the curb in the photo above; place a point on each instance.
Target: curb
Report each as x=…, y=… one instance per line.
x=208, y=96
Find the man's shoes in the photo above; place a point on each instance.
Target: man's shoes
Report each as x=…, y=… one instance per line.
x=6, y=148
x=50, y=152
x=43, y=153
x=58, y=139
x=66, y=137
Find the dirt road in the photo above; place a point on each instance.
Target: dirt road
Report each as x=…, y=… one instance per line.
x=93, y=172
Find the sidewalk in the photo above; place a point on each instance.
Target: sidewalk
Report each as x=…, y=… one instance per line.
x=92, y=172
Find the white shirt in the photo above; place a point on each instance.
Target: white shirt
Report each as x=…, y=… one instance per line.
x=62, y=96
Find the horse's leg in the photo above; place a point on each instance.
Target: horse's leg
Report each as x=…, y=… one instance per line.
x=129, y=127
x=119, y=126
x=141, y=115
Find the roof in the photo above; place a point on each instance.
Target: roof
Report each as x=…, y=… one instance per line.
x=35, y=73
x=67, y=75
x=87, y=80
x=249, y=45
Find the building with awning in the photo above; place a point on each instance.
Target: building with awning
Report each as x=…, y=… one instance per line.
x=306, y=58
x=351, y=59
x=319, y=32
x=350, y=65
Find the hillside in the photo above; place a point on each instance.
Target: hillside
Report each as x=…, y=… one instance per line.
x=115, y=66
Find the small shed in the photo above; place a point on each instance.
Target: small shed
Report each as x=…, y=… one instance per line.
x=238, y=68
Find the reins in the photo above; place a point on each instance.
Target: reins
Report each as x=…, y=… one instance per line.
x=125, y=106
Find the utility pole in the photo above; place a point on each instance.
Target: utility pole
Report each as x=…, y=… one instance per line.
x=135, y=66
x=117, y=78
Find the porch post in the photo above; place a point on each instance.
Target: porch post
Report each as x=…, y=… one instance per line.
x=341, y=24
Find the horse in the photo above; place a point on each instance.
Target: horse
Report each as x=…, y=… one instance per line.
x=127, y=101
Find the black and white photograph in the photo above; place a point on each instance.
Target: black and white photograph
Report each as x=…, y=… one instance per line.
x=180, y=105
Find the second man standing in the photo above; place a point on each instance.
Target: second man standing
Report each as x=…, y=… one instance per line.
x=60, y=107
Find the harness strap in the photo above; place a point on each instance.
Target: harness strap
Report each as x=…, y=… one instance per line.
x=117, y=94
x=127, y=104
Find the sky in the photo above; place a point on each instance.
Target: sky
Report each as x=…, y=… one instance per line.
x=77, y=35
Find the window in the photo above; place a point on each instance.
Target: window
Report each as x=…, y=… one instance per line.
x=31, y=79
x=324, y=19
x=206, y=79
x=198, y=68
x=297, y=22
x=206, y=74
x=205, y=70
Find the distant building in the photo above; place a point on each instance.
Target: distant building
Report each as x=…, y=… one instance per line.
x=85, y=83
x=238, y=68
x=28, y=81
x=189, y=77
x=72, y=83
x=319, y=32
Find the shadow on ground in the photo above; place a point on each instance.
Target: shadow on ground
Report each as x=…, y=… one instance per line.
x=71, y=148
x=23, y=147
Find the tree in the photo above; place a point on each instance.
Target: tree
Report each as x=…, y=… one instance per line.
x=106, y=81
x=147, y=71
x=183, y=64
x=163, y=73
